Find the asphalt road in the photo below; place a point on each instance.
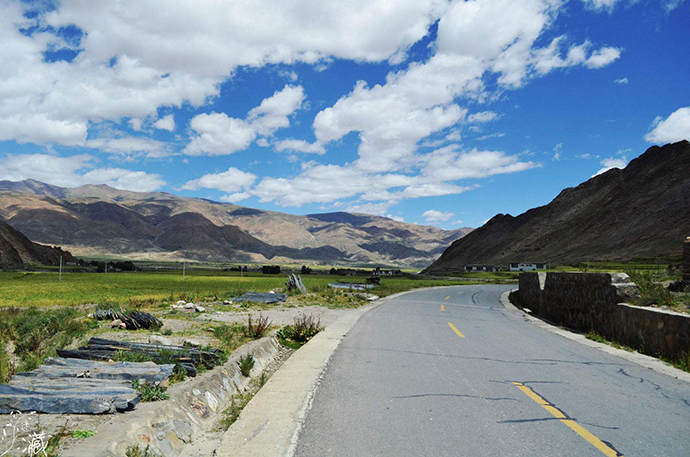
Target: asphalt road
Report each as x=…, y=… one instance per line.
x=404, y=382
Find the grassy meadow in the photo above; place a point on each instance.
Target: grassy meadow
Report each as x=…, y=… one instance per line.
x=42, y=289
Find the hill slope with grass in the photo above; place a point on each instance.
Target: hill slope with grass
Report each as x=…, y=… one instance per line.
x=100, y=220
x=640, y=211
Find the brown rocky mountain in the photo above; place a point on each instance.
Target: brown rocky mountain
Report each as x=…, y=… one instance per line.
x=92, y=220
x=640, y=211
x=17, y=250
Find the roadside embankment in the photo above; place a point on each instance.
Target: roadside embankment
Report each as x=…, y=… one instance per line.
x=167, y=427
x=598, y=302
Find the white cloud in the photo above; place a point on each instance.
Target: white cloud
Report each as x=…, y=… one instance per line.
x=236, y=197
x=448, y=164
x=621, y=81
x=433, y=215
x=584, y=156
x=165, y=123
x=176, y=55
x=219, y=134
x=377, y=209
x=129, y=145
x=72, y=172
x=557, y=152
x=481, y=117
x=319, y=183
x=603, y=57
x=674, y=128
x=601, y=5
x=231, y=181
x=299, y=146
x=492, y=135
x=611, y=163
x=670, y=5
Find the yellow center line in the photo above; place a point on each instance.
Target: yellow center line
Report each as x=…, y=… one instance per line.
x=456, y=330
x=447, y=297
x=574, y=426
x=443, y=308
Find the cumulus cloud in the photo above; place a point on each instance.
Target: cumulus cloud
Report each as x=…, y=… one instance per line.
x=293, y=145
x=231, y=181
x=611, y=163
x=481, y=117
x=436, y=171
x=75, y=171
x=134, y=58
x=674, y=128
x=165, y=123
x=219, y=134
x=474, y=40
x=433, y=215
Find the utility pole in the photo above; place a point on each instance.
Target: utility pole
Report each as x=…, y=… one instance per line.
x=184, y=267
x=60, y=274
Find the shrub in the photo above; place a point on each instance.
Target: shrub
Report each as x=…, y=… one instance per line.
x=651, y=292
x=257, y=329
x=246, y=364
x=150, y=392
x=303, y=329
x=166, y=332
x=306, y=327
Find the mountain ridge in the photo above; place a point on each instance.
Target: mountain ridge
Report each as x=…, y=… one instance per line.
x=642, y=210
x=101, y=220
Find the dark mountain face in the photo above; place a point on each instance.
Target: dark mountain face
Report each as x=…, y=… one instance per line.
x=342, y=217
x=17, y=250
x=640, y=211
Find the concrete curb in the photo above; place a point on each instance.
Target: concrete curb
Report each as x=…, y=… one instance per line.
x=635, y=357
x=270, y=424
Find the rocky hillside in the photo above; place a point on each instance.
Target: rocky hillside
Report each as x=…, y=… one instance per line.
x=17, y=250
x=640, y=211
x=101, y=220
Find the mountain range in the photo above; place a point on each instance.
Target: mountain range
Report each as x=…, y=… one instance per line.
x=100, y=220
x=641, y=211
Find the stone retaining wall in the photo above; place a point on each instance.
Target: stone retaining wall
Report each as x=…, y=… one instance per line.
x=194, y=406
x=598, y=302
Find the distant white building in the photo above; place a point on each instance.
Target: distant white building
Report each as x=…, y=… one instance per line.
x=513, y=266
x=481, y=268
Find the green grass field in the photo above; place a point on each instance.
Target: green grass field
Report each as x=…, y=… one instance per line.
x=43, y=289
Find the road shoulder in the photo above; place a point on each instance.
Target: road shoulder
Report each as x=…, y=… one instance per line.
x=269, y=425
x=635, y=357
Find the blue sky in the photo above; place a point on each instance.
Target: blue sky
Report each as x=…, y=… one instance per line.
x=430, y=111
